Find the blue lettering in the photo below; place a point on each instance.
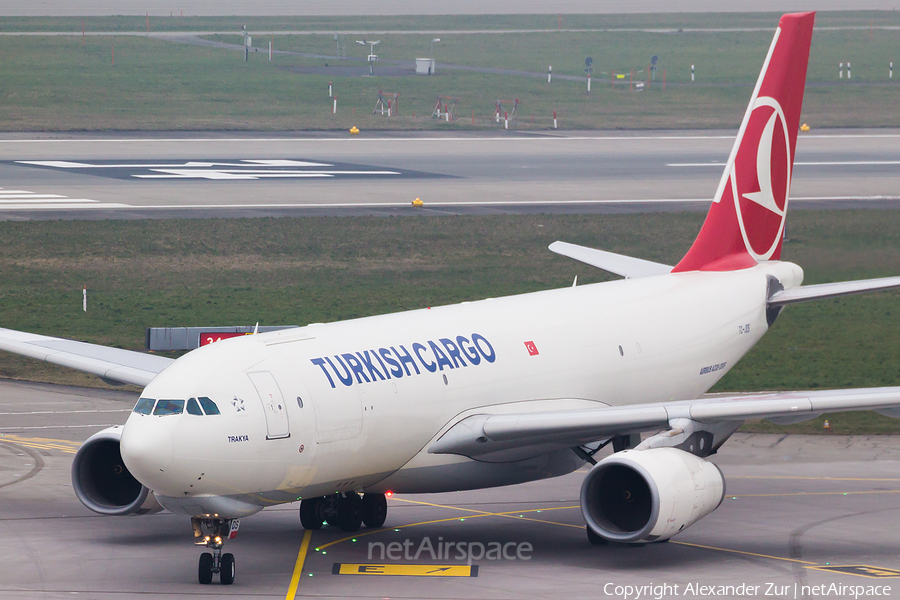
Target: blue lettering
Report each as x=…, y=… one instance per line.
x=368, y=366
x=345, y=379
x=466, y=346
x=321, y=363
x=440, y=356
x=396, y=371
x=417, y=348
x=381, y=362
x=477, y=339
x=406, y=357
x=367, y=362
x=356, y=367
x=453, y=352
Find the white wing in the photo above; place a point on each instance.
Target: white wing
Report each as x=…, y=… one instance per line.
x=110, y=364
x=488, y=436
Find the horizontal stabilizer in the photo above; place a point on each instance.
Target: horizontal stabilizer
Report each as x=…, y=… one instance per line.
x=832, y=290
x=626, y=266
x=115, y=364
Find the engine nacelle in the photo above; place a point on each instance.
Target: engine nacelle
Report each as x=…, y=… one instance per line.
x=649, y=495
x=102, y=482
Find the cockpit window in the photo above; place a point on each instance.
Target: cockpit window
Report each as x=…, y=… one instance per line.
x=193, y=408
x=169, y=407
x=209, y=407
x=144, y=406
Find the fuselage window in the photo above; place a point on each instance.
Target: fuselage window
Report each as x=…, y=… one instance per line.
x=193, y=408
x=169, y=407
x=209, y=407
x=144, y=406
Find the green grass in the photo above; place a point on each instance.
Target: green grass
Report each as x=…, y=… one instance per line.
x=64, y=83
x=298, y=271
x=160, y=21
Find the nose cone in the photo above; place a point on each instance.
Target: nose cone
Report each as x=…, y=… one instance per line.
x=147, y=447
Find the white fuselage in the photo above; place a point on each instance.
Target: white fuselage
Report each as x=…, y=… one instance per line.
x=354, y=405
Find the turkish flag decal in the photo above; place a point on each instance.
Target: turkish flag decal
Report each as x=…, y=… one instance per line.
x=532, y=349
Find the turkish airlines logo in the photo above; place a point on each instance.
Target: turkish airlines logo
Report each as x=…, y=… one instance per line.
x=761, y=178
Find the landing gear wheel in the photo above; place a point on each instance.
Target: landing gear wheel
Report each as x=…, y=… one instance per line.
x=374, y=510
x=204, y=570
x=349, y=512
x=596, y=539
x=310, y=513
x=226, y=575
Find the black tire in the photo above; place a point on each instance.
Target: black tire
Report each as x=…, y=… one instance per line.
x=204, y=569
x=226, y=575
x=596, y=539
x=310, y=515
x=374, y=510
x=349, y=512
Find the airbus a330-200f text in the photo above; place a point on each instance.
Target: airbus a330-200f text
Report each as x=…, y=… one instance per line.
x=487, y=393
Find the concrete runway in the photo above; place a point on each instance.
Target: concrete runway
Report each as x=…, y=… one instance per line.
x=795, y=505
x=217, y=175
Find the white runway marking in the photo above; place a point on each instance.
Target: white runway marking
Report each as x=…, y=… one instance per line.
x=59, y=426
x=540, y=137
x=827, y=163
x=25, y=200
x=64, y=412
x=250, y=174
x=67, y=164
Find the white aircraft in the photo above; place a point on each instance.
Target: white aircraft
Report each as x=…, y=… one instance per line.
x=487, y=393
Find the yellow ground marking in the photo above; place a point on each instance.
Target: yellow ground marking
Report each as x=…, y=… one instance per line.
x=408, y=570
x=479, y=514
x=814, y=494
x=811, y=478
x=298, y=566
x=515, y=514
x=860, y=571
x=805, y=562
x=67, y=446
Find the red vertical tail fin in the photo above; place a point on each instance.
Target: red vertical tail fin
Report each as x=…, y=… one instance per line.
x=745, y=223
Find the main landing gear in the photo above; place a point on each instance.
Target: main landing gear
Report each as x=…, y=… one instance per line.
x=214, y=532
x=347, y=511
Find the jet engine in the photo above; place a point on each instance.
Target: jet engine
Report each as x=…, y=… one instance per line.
x=638, y=496
x=102, y=482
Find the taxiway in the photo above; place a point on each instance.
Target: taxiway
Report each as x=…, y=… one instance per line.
x=799, y=510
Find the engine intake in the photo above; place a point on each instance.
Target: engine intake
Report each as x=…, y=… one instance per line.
x=649, y=495
x=102, y=482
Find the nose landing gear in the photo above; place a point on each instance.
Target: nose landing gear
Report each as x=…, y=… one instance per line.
x=217, y=531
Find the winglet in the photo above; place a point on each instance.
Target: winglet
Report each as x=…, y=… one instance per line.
x=745, y=223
